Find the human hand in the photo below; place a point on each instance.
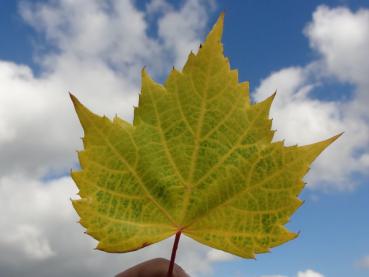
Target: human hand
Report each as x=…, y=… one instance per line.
x=153, y=268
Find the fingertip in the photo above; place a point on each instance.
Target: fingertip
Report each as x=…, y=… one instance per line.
x=179, y=271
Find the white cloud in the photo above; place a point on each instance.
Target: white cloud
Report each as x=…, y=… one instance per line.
x=341, y=37
x=215, y=255
x=309, y=273
x=306, y=273
x=31, y=209
x=273, y=276
x=158, y=6
x=301, y=118
x=363, y=262
x=111, y=32
x=188, y=22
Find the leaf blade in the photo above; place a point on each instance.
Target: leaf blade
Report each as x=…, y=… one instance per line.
x=198, y=159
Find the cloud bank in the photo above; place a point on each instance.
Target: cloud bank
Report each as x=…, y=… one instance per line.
x=340, y=37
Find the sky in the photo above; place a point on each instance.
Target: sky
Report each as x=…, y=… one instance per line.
x=313, y=53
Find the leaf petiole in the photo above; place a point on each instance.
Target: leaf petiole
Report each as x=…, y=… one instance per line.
x=173, y=256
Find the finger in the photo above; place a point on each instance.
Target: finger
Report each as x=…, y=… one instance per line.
x=179, y=272
x=153, y=268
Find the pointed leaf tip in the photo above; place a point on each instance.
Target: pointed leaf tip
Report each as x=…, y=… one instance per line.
x=217, y=30
x=143, y=71
x=331, y=139
x=75, y=101
x=72, y=97
x=145, y=76
x=218, y=27
x=337, y=136
x=220, y=20
x=271, y=98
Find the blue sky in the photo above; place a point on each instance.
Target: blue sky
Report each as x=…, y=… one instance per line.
x=313, y=52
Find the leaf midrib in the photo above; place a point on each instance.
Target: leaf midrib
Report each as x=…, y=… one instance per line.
x=197, y=140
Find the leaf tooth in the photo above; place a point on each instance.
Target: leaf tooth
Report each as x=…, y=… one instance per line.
x=144, y=75
x=233, y=72
x=74, y=175
x=191, y=56
x=147, y=83
x=245, y=85
x=94, y=233
x=307, y=170
x=120, y=123
x=261, y=250
x=287, y=235
x=268, y=101
x=245, y=88
x=83, y=158
x=283, y=142
x=265, y=106
x=84, y=114
x=136, y=118
x=146, y=79
x=77, y=204
x=300, y=185
x=173, y=75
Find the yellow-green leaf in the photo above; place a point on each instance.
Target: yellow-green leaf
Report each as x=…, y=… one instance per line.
x=198, y=158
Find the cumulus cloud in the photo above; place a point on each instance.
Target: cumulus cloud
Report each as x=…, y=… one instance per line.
x=340, y=37
x=306, y=273
x=215, y=255
x=309, y=273
x=273, y=276
x=188, y=22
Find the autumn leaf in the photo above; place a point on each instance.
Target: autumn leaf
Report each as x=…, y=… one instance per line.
x=198, y=159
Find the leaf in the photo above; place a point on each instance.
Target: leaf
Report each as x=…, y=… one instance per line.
x=199, y=159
